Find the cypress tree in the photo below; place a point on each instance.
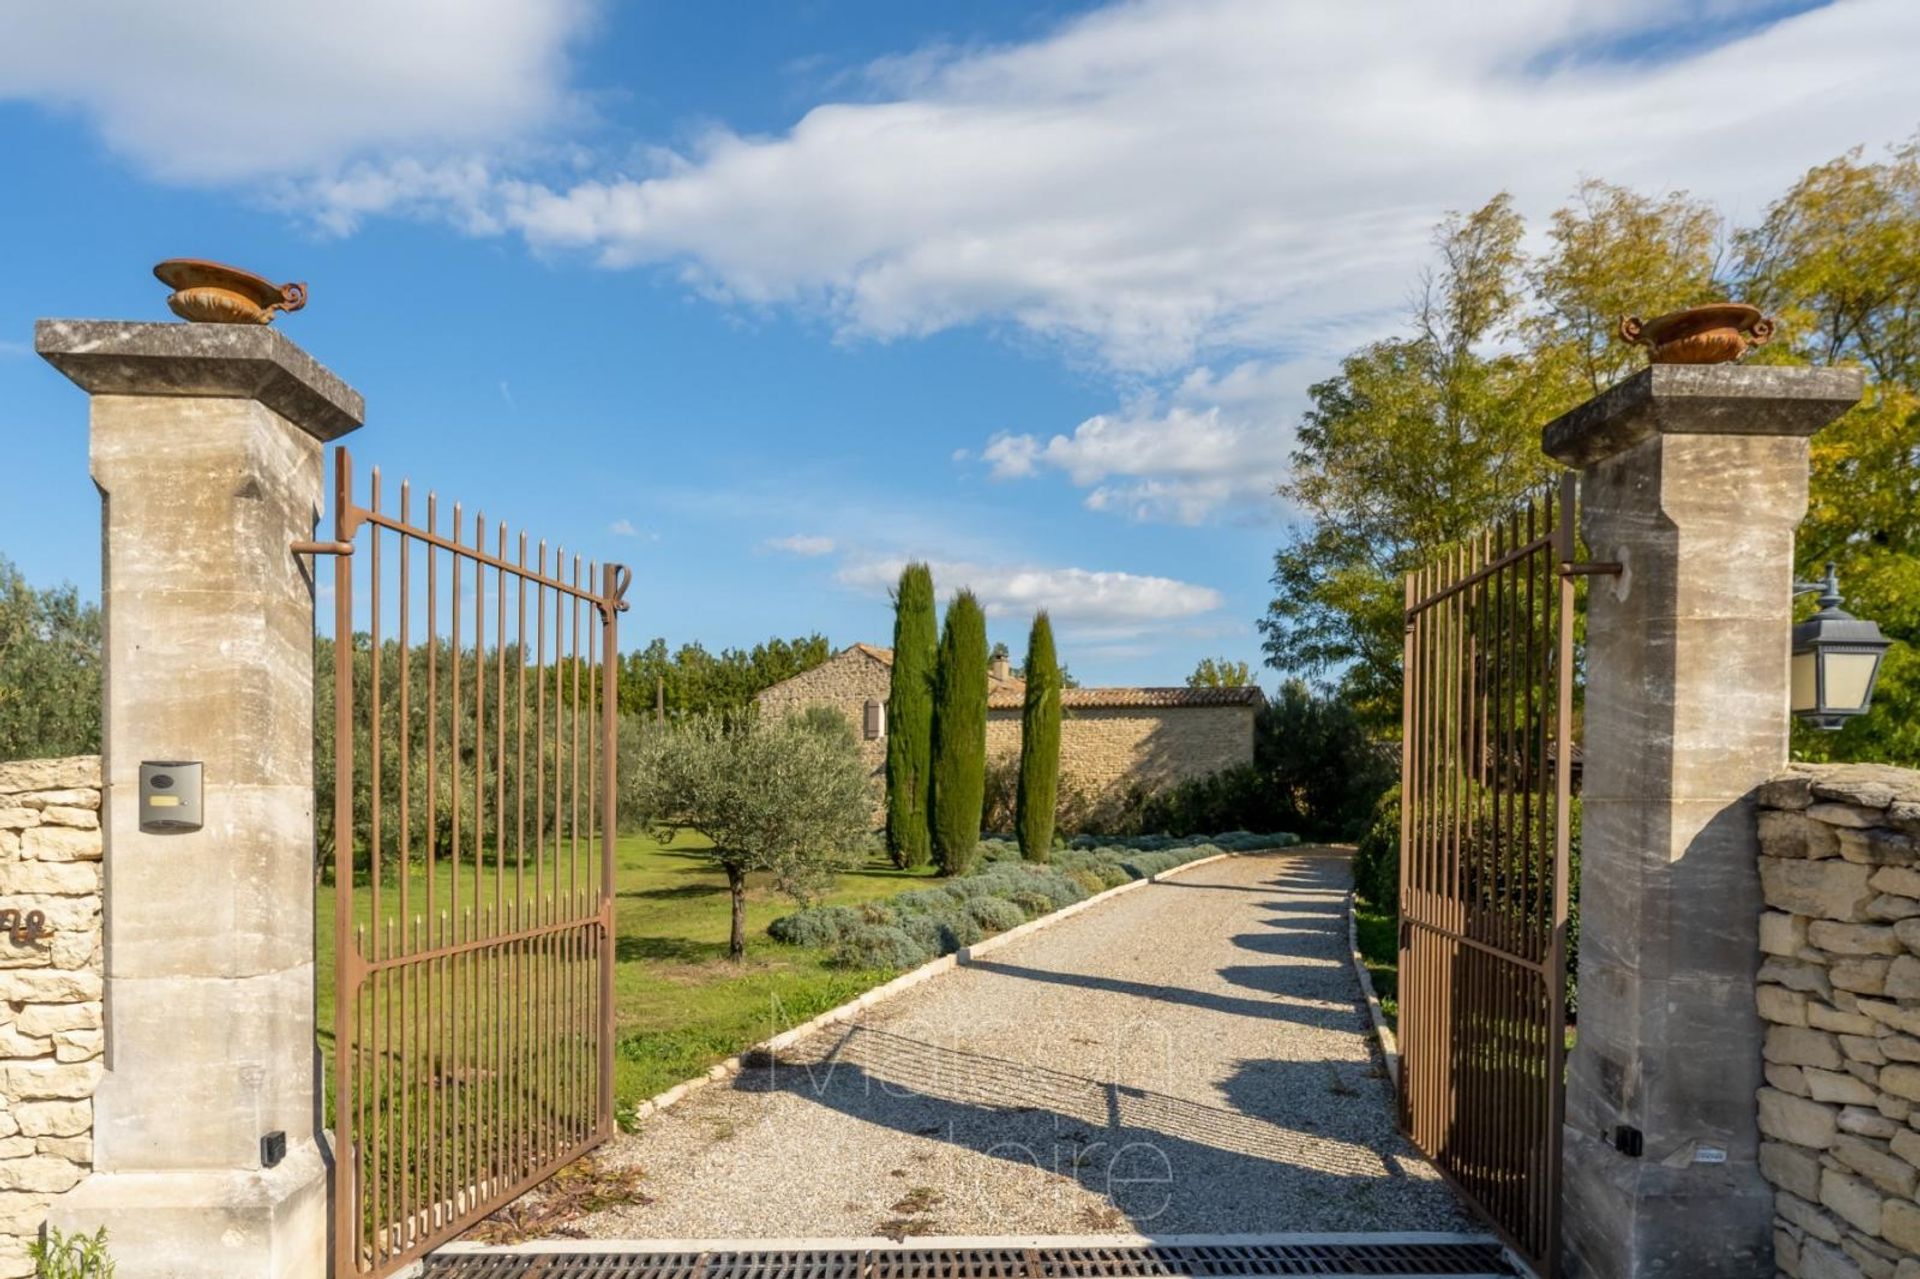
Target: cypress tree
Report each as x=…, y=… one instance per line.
x=960, y=735
x=910, y=720
x=1039, y=745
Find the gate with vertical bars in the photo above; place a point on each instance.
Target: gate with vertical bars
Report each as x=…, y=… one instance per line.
x=474, y=704
x=1485, y=829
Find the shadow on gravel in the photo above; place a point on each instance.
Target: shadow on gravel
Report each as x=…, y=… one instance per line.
x=1272, y=1011
x=1305, y=1161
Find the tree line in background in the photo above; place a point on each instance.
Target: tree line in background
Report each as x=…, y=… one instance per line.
x=690, y=680
x=49, y=670
x=1423, y=439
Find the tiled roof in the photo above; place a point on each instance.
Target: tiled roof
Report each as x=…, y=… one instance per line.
x=1098, y=698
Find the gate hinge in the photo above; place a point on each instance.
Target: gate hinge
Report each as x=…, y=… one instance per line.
x=1591, y=568
x=321, y=548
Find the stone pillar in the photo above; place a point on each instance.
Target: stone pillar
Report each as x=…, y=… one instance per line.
x=207, y=449
x=1694, y=478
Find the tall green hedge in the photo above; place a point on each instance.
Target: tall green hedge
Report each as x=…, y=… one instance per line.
x=960, y=735
x=1039, y=745
x=916, y=643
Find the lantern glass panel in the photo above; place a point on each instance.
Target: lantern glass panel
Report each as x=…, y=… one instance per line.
x=1849, y=679
x=1806, y=690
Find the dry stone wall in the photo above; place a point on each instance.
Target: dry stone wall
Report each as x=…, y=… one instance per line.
x=1839, y=990
x=51, y=1036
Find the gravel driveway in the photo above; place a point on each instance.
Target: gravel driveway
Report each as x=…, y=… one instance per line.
x=1189, y=1058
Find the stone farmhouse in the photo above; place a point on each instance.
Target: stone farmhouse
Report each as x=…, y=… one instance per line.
x=1111, y=739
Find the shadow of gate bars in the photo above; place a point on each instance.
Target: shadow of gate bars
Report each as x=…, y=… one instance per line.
x=1485, y=837
x=474, y=730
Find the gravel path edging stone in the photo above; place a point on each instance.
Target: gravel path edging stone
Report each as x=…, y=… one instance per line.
x=1389, y=1044
x=906, y=981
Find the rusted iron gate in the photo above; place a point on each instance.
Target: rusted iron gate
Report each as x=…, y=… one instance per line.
x=473, y=898
x=1486, y=786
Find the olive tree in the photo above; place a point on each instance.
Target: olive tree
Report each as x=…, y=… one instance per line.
x=786, y=797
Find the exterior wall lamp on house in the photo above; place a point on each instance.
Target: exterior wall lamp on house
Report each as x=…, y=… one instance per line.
x=1836, y=659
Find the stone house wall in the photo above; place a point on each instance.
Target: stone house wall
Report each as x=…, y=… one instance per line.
x=51, y=1036
x=1106, y=749
x=847, y=681
x=1839, y=991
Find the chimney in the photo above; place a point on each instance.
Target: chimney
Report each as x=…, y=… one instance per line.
x=999, y=667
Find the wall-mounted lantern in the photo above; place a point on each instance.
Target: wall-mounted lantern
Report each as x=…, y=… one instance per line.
x=1836, y=659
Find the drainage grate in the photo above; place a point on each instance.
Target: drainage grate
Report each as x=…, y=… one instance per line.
x=1171, y=1261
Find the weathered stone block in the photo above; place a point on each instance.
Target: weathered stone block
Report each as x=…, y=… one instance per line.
x=40, y=1172
x=1853, y=939
x=1908, y=931
x=1900, y=1224
x=1823, y=1261
x=1863, y=1048
x=54, y=1118
x=1862, y=1122
x=1787, y=1079
x=1903, y=978
x=1847, y=815
x=1807, y=1216
x=1905, y=1143
x=1791, y=1168
x=1797, y=974
x=84, y=798
x=1790, y=790
x=48, y=986
x=1860, y=974
x=1901, y=881
x=1801, y=1046
x=1899, y=1047
x=1870, y=1255
x=1823, y=890
x=61, y=844
x=1906, y=1020
x=1785, y=1117
x=59, y=815
x=1852, y=1199
x=1782, y=934
x=1895, y=1108
x=1890, y=908
x=78, y=879
x=1838, y=1089
x=1901, y=1080
x=1781, y=1006
x=1825, y=1017
x=1878, y=846
x=1877, y=1163
x=75, y=772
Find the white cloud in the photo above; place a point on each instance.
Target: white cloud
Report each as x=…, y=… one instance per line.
x=236, y=90
x=623, y=528
x=1071, y=595
x=1169, y=178
x=1212, y=443
x=802, y=544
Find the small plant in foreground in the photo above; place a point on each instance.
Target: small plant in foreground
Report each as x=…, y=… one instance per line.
x=61, y=1256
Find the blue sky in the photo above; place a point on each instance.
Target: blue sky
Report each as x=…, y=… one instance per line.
x=764, y=298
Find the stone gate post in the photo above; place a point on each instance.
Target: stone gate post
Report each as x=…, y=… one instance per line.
x=1694, y=478
x=206, y=447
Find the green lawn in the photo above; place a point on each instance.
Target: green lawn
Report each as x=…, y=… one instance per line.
x=1380, y=952
x=681, y=1004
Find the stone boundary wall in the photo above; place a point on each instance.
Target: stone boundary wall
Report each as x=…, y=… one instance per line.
x=51, y=1036
x=1839, y=991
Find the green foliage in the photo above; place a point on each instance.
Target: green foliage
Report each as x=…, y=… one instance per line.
x=1417, y=442
x=960, y=734
x=1837, y=259
x=1376, y=860
x=1316, y=770
x=779, y=796
x=49, y=670
x=1039, y=745
x=62, y=1256
x=1001, y=890
x=910, y=720
x=697, y=682
x=1220, y=672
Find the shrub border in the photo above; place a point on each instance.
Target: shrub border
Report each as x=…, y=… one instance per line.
x=932, y=968
x=1389, y=1044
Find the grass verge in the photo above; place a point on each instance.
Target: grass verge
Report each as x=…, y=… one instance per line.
x=1380, y=952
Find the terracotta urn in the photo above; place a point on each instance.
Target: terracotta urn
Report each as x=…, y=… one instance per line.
x=214, y=293
x=1699, y=335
